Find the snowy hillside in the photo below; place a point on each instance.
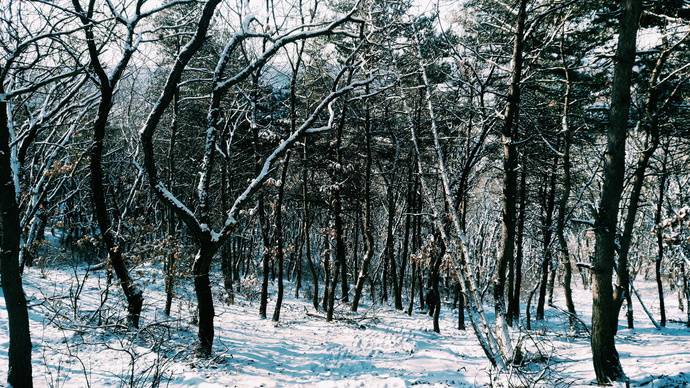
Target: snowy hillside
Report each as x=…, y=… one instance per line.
x=379, y=347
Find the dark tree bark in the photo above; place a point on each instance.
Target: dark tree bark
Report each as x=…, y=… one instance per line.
x=265, y=258
x=204, y=297
x=686, y=291
x=280, y=252
x=226, y=266
x=132, y=293
x=547, y=234
x=337, y=207
x=514, y=303
x=107, y=85
x=563, y=208
x=406, y=237
x=331, y=294
x=415, y=206
x=606, y=361
x=202, y=236
x=650, y=124
x=19, y=352
x=390, y=247
x=433, y=298
x=261, y=203
x=552, y=279
x=170, y=266
x=307, y=229
x=565, y=195
x=228, y=251
x=660, y=238
x=327, y=290
x=298, y=267
x=384, y=276
x=461, y=307
x=508, y=134
x=418, y=234
x=355, y=245
x=339, y=259
x=240, y=248
x=410, y=306
x=368, y=233
x=437, y=302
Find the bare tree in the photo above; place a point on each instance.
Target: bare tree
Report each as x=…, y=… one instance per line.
x=107, y=82
x=199, y=225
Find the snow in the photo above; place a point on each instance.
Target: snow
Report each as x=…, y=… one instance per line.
x=14, y=160
x=172, y=199
x=377, y=347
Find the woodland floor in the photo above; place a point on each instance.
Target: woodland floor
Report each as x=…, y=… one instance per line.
x=377, y=347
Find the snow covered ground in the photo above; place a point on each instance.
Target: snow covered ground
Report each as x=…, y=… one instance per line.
x=378, y=347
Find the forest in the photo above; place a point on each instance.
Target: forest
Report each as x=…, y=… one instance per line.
x=344, y=193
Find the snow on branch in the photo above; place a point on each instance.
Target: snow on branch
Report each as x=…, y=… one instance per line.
x=284, y=145
x=156, y=114
x=281, y=42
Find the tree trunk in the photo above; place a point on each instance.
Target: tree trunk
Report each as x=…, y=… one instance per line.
x=228, y=252
x=337, y=209
x=107, y=85
x=263, y=218
x=514, y=304
x=420, y=270
x=19, y=353
x=265, y=257
x=406, y=238
x=240, y=248
x=340, y=255
x=508, y=135
x=327, y=290
x=331, y=294
x=606, y=362
x=390, y=247
x=298, y=268
x=368, y=233
x=170, y=266
x=552, y=280
x=563, y=203
x=280, y=252
x=547, y=233
x=415, y=206
x=461, y=308
x=410, y=306
x=686, y=291
x=384, y=277
x=306, y=225
x=434, y=297
x=355, y=248
x=132, y=293
x=649, y=123
x=204, y=297
x=660, y=239
x=170, y=270
x=226, y=262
